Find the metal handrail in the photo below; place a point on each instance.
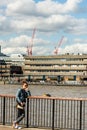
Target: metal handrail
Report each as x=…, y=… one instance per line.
x=47, y=112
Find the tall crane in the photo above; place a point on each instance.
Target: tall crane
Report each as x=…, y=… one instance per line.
x=29, y=48
x=59, y=44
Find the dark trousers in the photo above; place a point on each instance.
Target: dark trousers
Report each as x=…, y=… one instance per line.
x=20, y=115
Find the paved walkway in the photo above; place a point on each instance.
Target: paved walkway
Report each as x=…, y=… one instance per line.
x=10, y=128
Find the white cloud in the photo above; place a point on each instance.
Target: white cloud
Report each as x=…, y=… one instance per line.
x=76, y=48
x=19, y=17
x=21, y=7
x=26, y=14
x=2, y=19
x=5, y=2
x=42, y=8
x=53, y=23
x=41, y=47
x=49, y=7
x=19, y=45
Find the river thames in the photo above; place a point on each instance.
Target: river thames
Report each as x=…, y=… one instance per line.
x=55, y=91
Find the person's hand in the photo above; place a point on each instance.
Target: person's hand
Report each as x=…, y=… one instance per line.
x=22, y=103
x=27, y=89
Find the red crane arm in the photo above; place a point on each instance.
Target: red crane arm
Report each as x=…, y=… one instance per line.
x=60, y=41
x=33, y=35
x=57, y=48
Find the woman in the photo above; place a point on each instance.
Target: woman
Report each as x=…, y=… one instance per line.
x=21, y=96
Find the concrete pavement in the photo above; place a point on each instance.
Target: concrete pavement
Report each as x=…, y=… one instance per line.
x=2, y=127
x=10, y=128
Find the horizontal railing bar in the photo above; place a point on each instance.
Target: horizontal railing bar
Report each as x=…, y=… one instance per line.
x=45, y=97
x=9, y=96
x=59, y=98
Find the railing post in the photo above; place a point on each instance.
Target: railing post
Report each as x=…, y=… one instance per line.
x=53, y=114
x=27, y=116
x=80, y=115
x=3, y=110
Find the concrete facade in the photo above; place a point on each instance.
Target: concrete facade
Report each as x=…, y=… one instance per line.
x=67, y=67
x=56, y=67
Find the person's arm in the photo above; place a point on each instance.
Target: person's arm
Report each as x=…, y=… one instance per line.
x=18, y=96
x=28, y=93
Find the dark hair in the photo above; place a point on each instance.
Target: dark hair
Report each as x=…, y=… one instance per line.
x=24, y=82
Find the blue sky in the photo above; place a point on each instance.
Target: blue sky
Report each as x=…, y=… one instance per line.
x=53, y=19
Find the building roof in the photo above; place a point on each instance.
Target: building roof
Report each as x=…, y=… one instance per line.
x=1, y=54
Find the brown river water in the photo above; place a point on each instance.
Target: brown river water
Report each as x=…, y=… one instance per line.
x=55, y=91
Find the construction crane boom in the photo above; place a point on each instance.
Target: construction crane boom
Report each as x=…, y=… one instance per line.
x=33, y=35
x=57, y=48
x=29, y=48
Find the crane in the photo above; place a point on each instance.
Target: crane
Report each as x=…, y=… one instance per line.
x=29, y=48
x=57, y=48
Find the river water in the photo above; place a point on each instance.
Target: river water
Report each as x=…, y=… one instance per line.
x=39, y=90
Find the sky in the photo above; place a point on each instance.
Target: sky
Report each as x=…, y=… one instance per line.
x=44, y=25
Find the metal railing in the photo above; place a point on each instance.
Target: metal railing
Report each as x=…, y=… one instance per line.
x=47, y=112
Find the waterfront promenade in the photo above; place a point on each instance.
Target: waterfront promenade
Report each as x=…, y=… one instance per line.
x=10, y=128
x=67, y=94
